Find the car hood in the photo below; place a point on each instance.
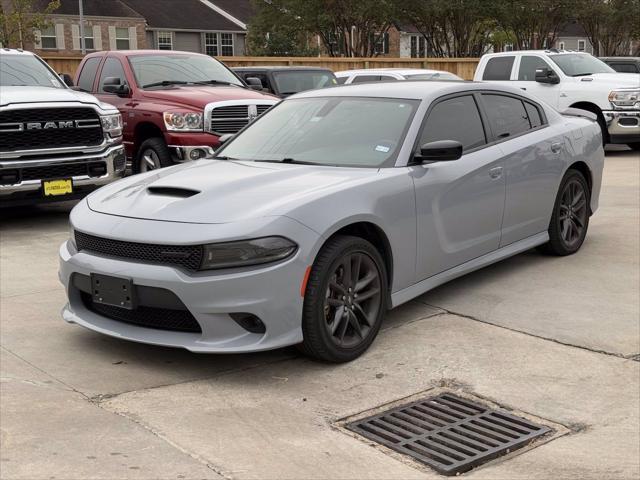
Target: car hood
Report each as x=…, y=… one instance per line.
x=222, y=191
x=615, y=80
x=14, y=95
x=200, y=95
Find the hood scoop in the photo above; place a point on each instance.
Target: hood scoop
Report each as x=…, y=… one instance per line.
x=173, y=191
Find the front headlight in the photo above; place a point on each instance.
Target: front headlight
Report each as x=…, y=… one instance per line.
x=183, y=121
x=625, y=98
x=112, y=124
x=246, y=252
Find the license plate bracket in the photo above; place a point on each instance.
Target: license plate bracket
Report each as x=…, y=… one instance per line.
x=113, y=291
x=59, y=187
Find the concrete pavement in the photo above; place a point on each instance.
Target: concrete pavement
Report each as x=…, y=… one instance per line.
x=549, y=337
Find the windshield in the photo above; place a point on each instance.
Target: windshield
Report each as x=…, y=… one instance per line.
x=576, y=65
x=344, y=131
x=433, y=76
x=26, y=70
x=167, y=69
x=296, y=81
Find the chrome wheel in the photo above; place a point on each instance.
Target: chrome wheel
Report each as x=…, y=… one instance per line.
x=573, y=213
x=150, y=161
x=353, y=300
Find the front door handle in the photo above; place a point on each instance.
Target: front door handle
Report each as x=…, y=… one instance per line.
x=556, y=147
x=495, y=172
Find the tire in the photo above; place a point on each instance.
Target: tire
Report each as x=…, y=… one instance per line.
x=603, y=129
x=153, y=150
x=634, y=146
x=338, y=326
x=570, y=219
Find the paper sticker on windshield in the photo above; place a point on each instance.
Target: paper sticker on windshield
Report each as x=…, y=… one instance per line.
x=315, y=119
x=382, y=148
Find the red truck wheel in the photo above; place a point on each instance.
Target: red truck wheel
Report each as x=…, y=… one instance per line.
x=152, y=154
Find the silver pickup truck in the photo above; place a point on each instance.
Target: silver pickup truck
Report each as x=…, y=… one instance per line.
x=55, y=143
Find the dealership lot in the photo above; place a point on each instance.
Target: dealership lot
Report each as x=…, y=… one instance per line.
x=557, y=338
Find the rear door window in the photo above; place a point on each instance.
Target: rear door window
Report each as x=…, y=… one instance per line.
x=507, y=115
x=625, y=67
x=88, y=74
x=366, y=78
x=535, y=119
x=341, y=80
x=498, y=68
x=456, y=119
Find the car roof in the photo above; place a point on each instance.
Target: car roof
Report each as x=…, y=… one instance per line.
x=408, y=90
x=401, y=71
x=128, y=53
x=540, y=52
x=280, y=67
x=15, y=51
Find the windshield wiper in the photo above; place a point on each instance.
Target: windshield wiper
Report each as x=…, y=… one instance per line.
x=215, y=82
x=287, y=160
x=581, y=74
x=165, y=83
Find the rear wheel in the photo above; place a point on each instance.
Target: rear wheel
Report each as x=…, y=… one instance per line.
x=345, y=300
x=152, y=155
x=570, y=219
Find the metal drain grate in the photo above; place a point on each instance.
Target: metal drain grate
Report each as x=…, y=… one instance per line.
x=449, y=433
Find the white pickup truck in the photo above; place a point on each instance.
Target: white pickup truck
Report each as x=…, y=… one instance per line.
x=566, y=79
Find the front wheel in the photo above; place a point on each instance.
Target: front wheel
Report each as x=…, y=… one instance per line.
x=570, y=218
x=345, y=300
x=152, y=155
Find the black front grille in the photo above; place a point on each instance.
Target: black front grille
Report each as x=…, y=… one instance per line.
x=29, y=139
x=149, y=317
x=233, y=118
x=63, y=170
x=188, y=257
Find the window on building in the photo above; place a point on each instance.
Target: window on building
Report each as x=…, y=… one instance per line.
x=455, y=119
x=418, y=46
x=382, y=44
x=122, y=39
x=211, y=44
x=582, y=45
x=561, y=45
x=165, y=41
x=48, y=37
x=226, y=42
x=498, y=68
x=88, y=38
x=508, y=47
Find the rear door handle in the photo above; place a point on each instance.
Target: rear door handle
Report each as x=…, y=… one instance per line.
x=495, y=172
x=556, y=147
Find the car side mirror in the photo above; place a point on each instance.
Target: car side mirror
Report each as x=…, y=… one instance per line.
x=440, y=151
x=66, y=78
x=254, y=83
x=115, y=85
x=546, y=75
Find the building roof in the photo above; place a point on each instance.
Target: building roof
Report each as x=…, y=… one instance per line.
x=240, y=9
x=91, y=8
x=182, y=15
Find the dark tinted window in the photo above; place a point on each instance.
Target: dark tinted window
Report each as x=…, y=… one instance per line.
x=455, y=119
x=507, y=115
x=498, y=68
x=342, y=80
x=387, y=78
x=112, y=68
x=625, y=67
x=88, y=74
x=534, y=115
x=366, y=78
x=528, y=67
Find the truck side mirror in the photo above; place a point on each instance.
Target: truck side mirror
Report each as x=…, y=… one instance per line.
x=66, y=78
x=546, y=75
x=115, y=85
x=254, y=83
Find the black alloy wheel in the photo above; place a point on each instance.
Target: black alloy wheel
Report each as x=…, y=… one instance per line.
x=570, y=219
x=345, y=300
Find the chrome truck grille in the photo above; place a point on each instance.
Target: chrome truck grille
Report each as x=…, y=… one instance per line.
x=231, y=117
x=45, y=128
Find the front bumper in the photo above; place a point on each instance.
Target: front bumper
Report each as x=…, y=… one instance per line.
x=21, y=180
x=271, y=293
x=184, y=145
x=623, y=125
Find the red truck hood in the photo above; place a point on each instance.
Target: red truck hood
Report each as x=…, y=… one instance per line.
x=198, y=96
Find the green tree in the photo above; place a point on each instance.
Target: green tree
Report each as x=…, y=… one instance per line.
x=532, y=23
x=18, y=21
x=611, y=25
x=451, y=28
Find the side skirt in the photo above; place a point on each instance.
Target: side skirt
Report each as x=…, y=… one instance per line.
x=430, y=283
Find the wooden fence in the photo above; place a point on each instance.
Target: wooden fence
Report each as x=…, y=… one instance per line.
x=463, y=67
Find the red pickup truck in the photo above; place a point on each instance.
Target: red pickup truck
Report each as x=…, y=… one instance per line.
x=175, y=105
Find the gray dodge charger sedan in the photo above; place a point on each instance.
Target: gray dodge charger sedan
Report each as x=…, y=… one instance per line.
x=328, y=210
